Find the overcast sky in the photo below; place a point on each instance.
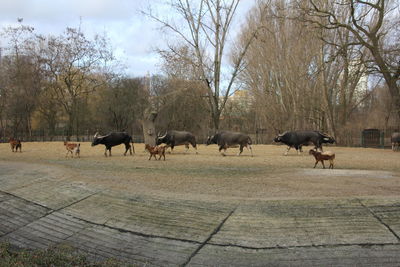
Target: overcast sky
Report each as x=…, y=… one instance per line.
x=133, y=36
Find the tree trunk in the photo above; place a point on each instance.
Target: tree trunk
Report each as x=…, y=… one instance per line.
x=149, y=130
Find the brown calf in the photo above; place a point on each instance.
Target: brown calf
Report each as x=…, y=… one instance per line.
x=321, y=156
x=15, y=144
x=156, y=150
x=71, y=148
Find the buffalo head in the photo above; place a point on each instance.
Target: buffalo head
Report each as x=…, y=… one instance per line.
x=161, y=138
x=208, y=141
x=278, y=138
x=328, y=139
x=96, y=140
x=211, y=140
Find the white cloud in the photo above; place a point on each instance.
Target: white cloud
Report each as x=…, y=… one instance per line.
x=133, y=36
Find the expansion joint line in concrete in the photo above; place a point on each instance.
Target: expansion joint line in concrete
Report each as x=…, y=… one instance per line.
x=216, y=230
x=121, y=230
x=49, y=211
x=380, y=220
x=305, y=246
x=76, y=202
x=30, y=201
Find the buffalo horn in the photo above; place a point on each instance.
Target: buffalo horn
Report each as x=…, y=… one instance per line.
x=164, y=135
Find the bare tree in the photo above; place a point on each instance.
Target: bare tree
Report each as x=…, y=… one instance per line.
x=373, y=25
x=121, y=103
x=73, y=65
x=205, y=33
x=280, y=70
x=182, y=106
x=21, y=81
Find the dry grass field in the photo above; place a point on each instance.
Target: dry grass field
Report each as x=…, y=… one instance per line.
x=204, y=209
x=359, y=172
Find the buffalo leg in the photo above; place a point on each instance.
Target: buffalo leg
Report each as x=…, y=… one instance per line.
x=224, y=148
x=195, y=147
x=109, y=151
x=171, y=148
x=105, y=152
x=323, y=163
x=318, y=145
x=240, y=150
x=127, y=147
x=287, y=151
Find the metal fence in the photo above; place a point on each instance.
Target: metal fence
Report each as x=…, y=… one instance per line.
x=378, y=138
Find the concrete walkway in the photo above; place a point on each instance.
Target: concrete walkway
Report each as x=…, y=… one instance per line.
x=147, y=230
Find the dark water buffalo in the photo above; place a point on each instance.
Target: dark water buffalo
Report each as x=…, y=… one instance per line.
x=176, y=138
x=114, y=139
x=297, y=139
x=226, y=139
x=395, y=141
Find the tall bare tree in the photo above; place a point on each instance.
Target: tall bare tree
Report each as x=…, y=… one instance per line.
x=205, y=32
x=373, y=25
x=21, y=81
x=121, y=104
x=73, y=63
x=280, y=71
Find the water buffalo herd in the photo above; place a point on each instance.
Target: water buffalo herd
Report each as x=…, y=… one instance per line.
x=224, y=140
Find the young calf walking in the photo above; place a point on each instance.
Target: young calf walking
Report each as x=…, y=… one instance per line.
x=156, y=150
x=15, y=144
x=321, y=156
x=72, y=148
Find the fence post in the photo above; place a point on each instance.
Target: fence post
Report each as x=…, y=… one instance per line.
x=362, y=139
x=382, y=139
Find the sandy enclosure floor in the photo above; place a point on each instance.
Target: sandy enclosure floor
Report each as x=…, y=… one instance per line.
x=359, y=172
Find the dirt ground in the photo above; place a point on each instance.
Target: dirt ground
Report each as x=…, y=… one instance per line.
x=359, y=172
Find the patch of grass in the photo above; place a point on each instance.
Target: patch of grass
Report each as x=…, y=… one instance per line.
x=62, y=255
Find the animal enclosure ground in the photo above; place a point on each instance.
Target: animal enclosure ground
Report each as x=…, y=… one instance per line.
x=359, y=172
x=205, y=209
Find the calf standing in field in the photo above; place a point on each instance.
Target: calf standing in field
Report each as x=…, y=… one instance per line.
x=72, y=148
x=156, y=150
x=15, y=144
x=321, y=156
x=395, y=141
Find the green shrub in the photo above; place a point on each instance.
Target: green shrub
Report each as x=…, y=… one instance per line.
x=61, y=255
